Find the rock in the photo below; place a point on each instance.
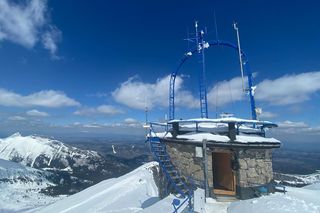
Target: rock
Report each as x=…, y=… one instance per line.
x=251, y=172
x=251, y=163
x=243, y=164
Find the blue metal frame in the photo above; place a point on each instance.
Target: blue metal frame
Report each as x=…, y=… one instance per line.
x=186, y=56
x=202, y=80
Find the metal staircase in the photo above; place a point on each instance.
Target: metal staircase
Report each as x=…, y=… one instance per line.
x=175, y=182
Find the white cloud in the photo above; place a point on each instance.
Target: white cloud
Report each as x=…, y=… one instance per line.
x=92, y=126
x=26, y=23
x=102, y=109
x=286, y=90
x=50, y=40
x=297, y=128
x=16, y=118
x=296, y=132
x=130, y=120
x=137, y=94
x=37, y=113
x=289, y=89
x=44, y=98
x=225, y=92
x=266, y=114
x=291, y=124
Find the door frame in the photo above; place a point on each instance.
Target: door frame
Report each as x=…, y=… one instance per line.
x=223, y=191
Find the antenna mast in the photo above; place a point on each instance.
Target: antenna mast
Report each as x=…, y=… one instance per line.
x=235, y=27
x=146, y=113
x=201, y=45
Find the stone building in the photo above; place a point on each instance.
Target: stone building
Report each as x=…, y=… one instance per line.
x=229, y=157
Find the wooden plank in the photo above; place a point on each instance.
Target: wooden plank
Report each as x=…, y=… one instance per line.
x=223, y=192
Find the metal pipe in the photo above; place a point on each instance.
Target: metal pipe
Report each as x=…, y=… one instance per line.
x=239, y=52
x=205, y=163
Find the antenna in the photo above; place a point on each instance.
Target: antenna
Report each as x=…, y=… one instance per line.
x=235, y=27
x=188, y=38
x=146, y=110
x=215, y=24
x=197, y=37
x=201, y=46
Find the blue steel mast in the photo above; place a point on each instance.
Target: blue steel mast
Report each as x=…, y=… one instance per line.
x=201, y=45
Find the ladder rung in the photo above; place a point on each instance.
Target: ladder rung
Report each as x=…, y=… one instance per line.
x=179, y=184
x=156, y=145
x=159, y=149
x=175, y=177
x=172, y=172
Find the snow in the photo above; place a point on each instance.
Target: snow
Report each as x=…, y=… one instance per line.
x=303, y=179
x=161, y=134
x=222, y=138
x=213, y=205
x=113, y=150
x=127, y=193
x=315, y=186
x=202, y=136
x=222, y=120
x=27, y=149
x=252, y=139
x=137, y=192
x=295, y=200
x=20, y=187
x=164, y=205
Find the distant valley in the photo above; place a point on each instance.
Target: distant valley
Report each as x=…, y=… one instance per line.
x=43, y=166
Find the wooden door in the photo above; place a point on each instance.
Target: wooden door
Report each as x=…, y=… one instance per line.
x=223, y=175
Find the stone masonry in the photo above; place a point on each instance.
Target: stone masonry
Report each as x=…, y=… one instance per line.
x=255, y=167
x=184, y=158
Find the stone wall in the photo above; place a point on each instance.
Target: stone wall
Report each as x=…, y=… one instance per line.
x=255, y=167
x=184, y=159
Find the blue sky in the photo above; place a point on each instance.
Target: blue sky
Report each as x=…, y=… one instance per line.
x=95, y=65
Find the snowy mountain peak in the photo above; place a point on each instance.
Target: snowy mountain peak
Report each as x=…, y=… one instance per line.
x=40, y=152
x=17, y=134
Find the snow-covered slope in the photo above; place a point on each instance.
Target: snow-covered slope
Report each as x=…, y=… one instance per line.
x=129, y=193
x=137, y=192
x=306, y=199
x=297, y=180
x=75, y=169
x=40, y=152
x=20, y=187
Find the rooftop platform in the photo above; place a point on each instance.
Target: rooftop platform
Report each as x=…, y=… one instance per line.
x=222, y=132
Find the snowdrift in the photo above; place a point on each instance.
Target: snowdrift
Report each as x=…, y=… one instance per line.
x=306, y=199
x=137, y=192
x=129, y=193
x=20, y=187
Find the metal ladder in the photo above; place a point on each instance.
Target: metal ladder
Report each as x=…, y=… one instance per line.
x=173, y=177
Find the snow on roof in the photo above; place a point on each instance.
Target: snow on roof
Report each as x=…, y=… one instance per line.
x=222, y=120
x=217, y=138
x=252, y=139
x=219, y=127
x=202, y=136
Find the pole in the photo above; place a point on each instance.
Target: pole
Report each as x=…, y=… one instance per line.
x=202, y=77
x=205, y=162
x=239, y=51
